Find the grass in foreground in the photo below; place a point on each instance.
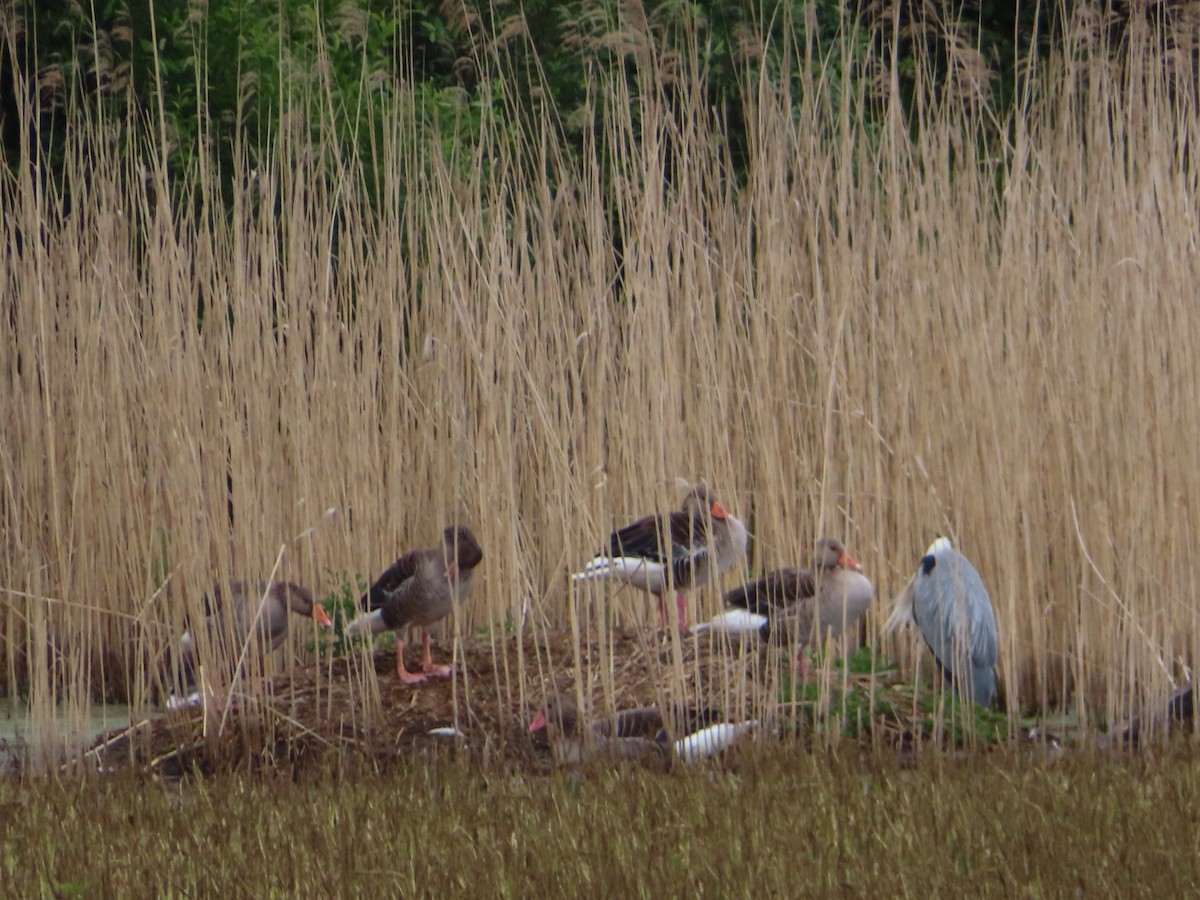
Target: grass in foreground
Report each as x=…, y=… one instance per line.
x=780, y=824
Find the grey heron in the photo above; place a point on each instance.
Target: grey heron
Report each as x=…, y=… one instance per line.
x=950, y=606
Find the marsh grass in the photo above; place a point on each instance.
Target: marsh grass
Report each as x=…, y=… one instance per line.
x=773, y=824
x=976, y=328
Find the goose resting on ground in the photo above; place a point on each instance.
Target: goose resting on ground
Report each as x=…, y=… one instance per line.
x=1178, y=712
x=421, y=588
x=684, y=549
x=636, y=734
x=949, y=604
x=640, y=735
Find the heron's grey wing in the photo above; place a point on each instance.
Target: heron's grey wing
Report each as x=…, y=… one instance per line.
x=984, y=642
x=984, y=638
x=932, y=605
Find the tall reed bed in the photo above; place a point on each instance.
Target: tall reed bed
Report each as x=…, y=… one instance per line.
x=892, y=328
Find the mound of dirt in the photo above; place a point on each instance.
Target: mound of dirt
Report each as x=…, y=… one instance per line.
x=352, y=710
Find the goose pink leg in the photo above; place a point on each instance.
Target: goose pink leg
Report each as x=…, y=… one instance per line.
x=800, y=665
x=681, y=606
x=427, y=662
x=406, y=676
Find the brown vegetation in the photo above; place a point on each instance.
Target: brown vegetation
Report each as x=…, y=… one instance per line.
x=985, y=332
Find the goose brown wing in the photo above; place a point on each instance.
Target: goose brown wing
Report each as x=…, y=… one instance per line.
x=646, y=722
x=642, y=539
x=773, y=592
x=217, y=602
x=391, y=580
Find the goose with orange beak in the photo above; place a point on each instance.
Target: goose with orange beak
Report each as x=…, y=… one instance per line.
x=826, y=600
x=642, y=735
x=681, y=550
x=421, y=588
x=237, y=614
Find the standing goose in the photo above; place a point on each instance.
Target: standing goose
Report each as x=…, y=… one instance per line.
x=231, y=617
x=421, y=588
x=826, y=599
x=698, y=541
x=949, y=604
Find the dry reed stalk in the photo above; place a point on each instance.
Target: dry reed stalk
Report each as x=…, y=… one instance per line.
x=874, y=337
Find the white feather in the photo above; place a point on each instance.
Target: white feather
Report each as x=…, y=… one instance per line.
x=371, y=623
x=902, y=606
x=446, y=731
x=902, y=610
x=641, y=573
x=734, y=622
x=187, y=702
x=939, y=545
x=712, y=740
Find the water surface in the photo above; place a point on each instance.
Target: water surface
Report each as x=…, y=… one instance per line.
x=22, y=738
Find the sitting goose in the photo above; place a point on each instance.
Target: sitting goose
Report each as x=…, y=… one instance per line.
x=421, y=588
x=639, y=735
x=698, y=541
x=636, y=734
x=826, y=599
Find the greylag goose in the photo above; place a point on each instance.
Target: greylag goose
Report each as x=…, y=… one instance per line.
x=826, y=599
x=950, y=606
x=640, y=735
x=636, y=734
x=684, y=549
x=231, y=617
x=1179, y=712
x=421, y=588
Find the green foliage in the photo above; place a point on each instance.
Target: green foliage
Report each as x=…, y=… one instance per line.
x=160, y=560
x=872, y=696
x=944, y=712
x=228, y=79
x=509, y=626
x=855, y=707
x=864, y=661
x=342, y=605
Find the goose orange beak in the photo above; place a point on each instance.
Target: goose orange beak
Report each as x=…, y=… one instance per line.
x=321, y=616
x=538, y=723
x=849, y=562
x=719, y=511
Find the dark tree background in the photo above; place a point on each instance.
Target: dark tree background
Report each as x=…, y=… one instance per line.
x=212, y=75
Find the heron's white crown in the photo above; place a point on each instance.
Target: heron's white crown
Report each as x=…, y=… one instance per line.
x=940, y=545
